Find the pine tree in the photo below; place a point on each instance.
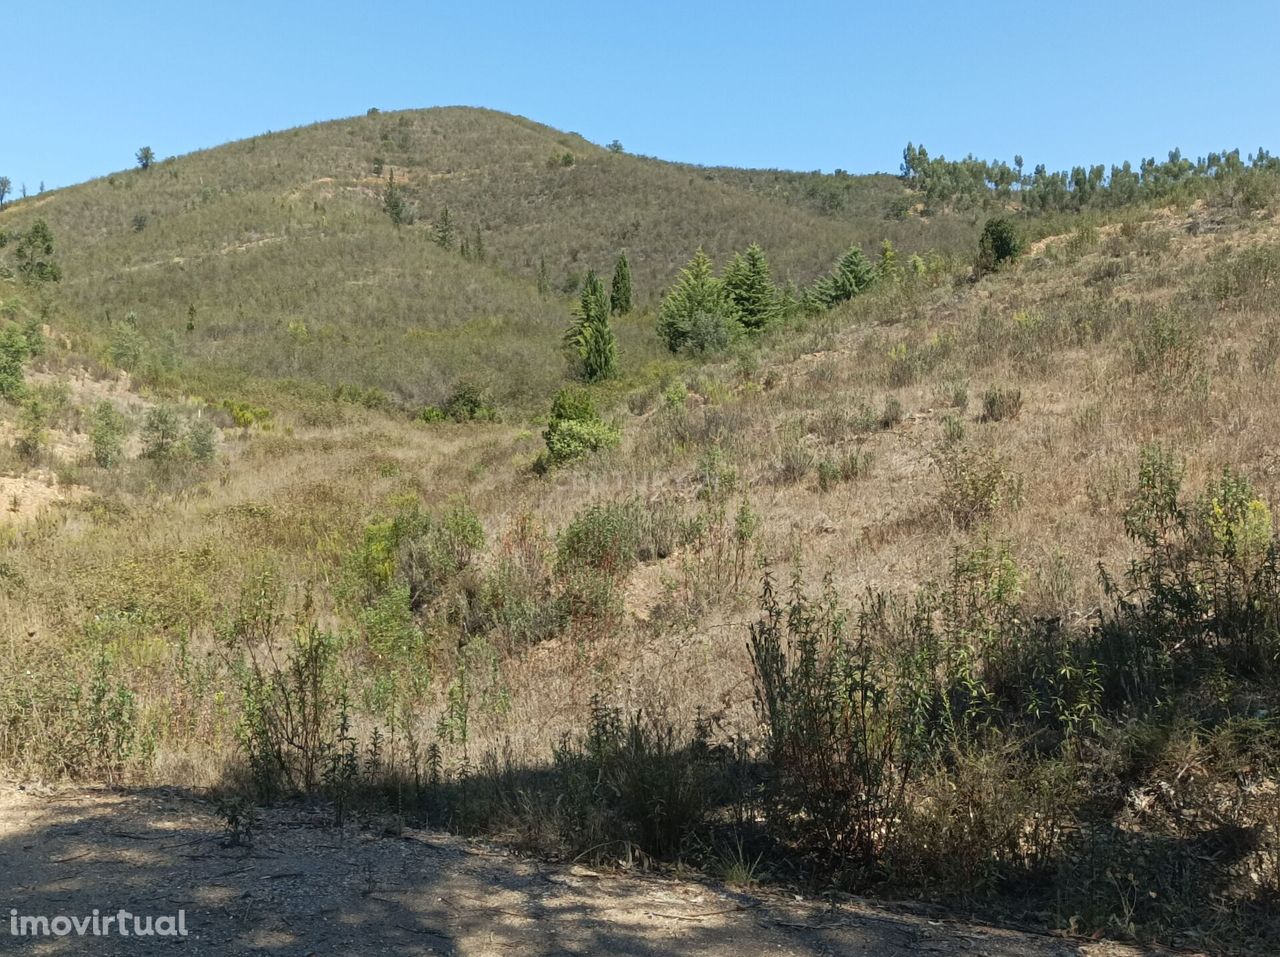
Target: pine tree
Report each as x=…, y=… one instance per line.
x=851, y=275
x=590, y=338
x=749, y=284
x=697, y=314
x=543, y=278
x=444, y=229
x=620, y=288
x=393, y=203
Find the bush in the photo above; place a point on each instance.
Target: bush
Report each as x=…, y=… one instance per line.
x=998, y=244
x=469, y=402
x=1001, y=404
x=161, y=434
x=835, y=782
x=974, y=486
x=575, y=430
x=14, y=352
x=202, y=440
x=107, y=433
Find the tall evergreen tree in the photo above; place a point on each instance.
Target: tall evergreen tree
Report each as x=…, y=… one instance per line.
x=749, y=284
x=444, y=229
x=851, y=275
x=590, y=338
x=620, y=288
x=543, y=278
x=697, y=314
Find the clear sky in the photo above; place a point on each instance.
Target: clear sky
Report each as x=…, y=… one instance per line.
x=806, y=85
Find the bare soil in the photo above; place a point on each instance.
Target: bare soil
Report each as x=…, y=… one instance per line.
x=305, y=888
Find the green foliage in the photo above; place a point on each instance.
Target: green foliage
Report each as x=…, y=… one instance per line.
x=394, y=203
x=161, y=434
x=975, y=486
x=15, y=349
x=443, y=229
x=697, y=315
x=750, y=287
x=33, y=255
x=620, y=287
x=245, y=415
x=145, y=157
x=126, y=347
x=850, y=276
x=888, y=269
x=469, y=401
x=202, y=440
x=636, y=781
x=575, y=429
x=998, y=244
x=1001, y=404
x=591, y=341
x=107, y=433
x=32, y=425
x=836, y=771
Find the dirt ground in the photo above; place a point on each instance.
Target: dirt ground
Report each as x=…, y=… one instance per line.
x=304, y=888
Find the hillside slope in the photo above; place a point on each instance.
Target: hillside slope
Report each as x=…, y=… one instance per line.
x=272, y=257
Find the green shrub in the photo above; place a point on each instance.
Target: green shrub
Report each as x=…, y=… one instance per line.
x=998, y=244
x=975, y=486
x=33, y=423
x=202, y=440
x=161, y=434
x=14, y=352
x=245, y=415
x=575, y=430
x=835, y=779
x=107, y=434
x=1001, y=404
x=470, y=402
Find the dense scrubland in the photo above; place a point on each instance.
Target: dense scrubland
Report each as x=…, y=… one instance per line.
x=897, y=534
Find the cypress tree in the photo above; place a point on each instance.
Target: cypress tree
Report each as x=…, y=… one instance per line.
x=444, y=229
x=543, y=278
x=590, y=339
x=749, y=284
x=851, y=275
x=697, y=314
x=620, y=288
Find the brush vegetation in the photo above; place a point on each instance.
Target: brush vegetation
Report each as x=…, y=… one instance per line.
x=909, y=535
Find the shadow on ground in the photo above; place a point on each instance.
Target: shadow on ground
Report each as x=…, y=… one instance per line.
x=304, y=887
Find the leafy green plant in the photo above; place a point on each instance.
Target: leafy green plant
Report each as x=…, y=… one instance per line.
x=998, y=244
x=161, y=434
x=575, y=430
x=107, y=433
x=14, y=352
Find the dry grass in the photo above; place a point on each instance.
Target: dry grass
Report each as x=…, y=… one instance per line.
x=137, y=583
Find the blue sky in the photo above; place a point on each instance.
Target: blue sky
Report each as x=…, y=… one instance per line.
x=815, y=85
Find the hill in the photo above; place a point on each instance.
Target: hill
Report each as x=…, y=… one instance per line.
x=958, y=581
x=279, y=250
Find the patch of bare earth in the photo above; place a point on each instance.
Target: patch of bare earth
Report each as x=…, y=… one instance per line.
x=305, y=888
